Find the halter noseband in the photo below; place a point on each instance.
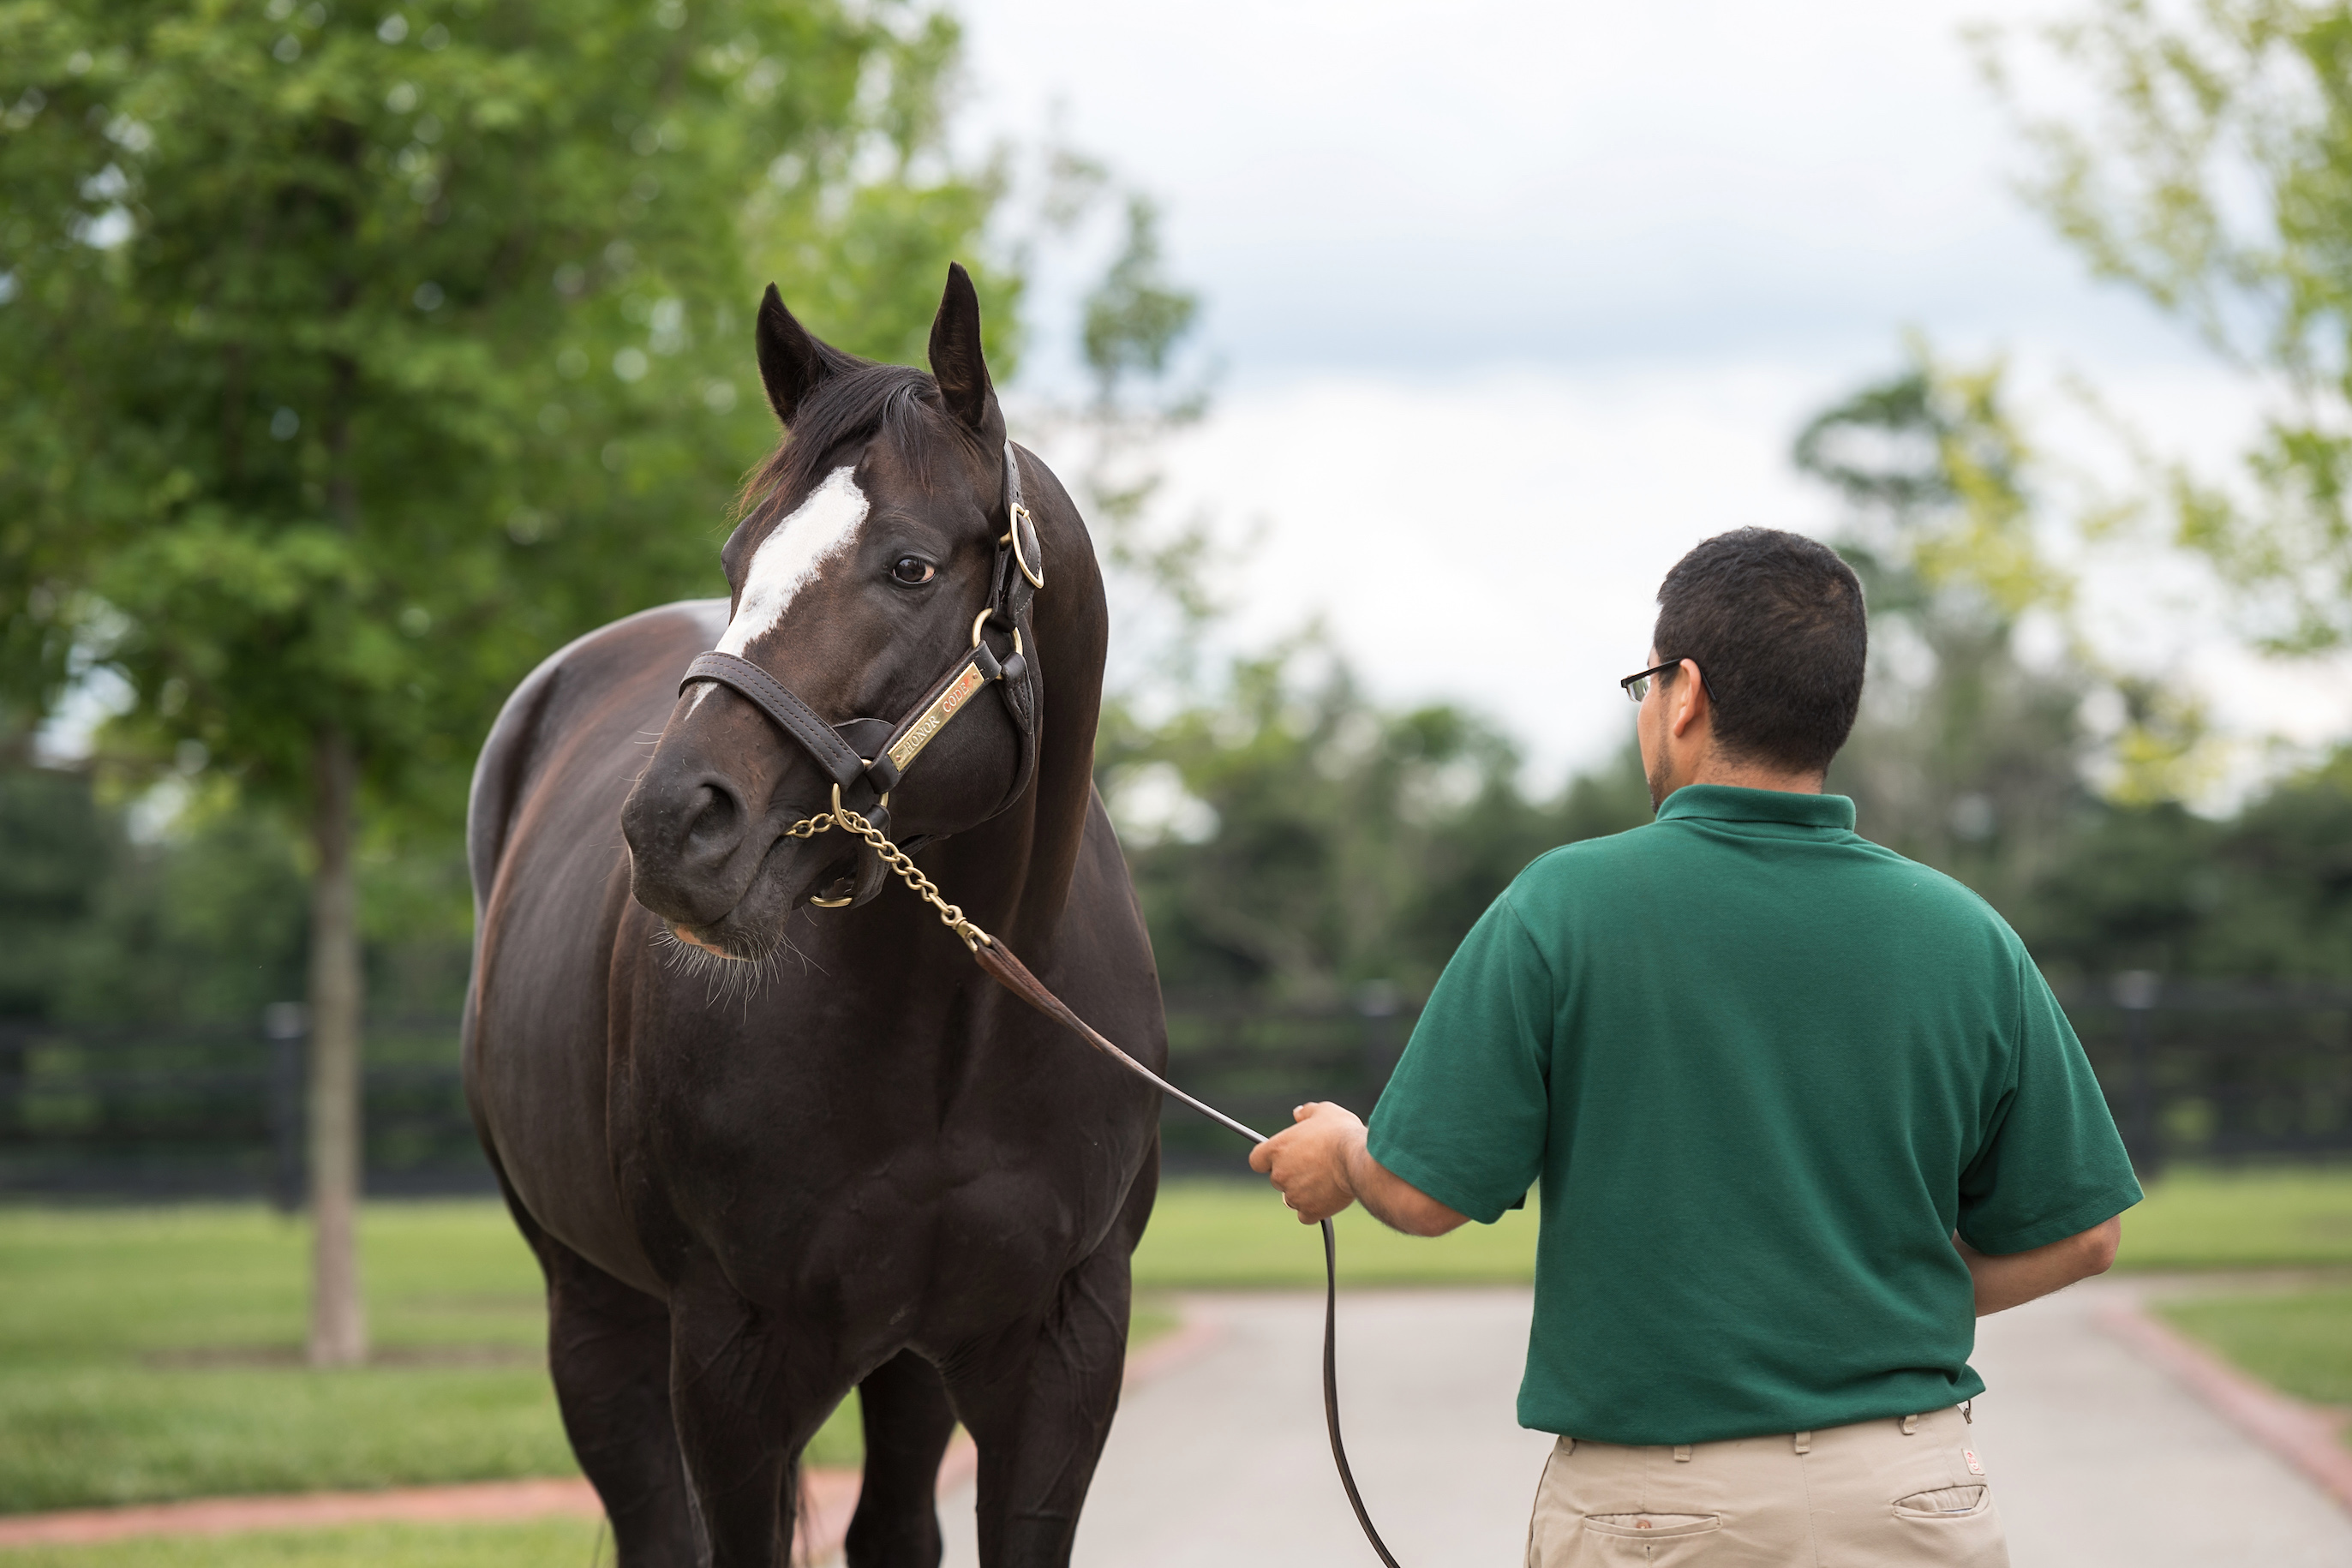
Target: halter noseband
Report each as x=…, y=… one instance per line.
x=865, y=758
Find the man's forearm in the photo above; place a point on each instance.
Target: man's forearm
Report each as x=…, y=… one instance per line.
x=1321, y=1165
x=2013, y=1278
x=1395, y=1202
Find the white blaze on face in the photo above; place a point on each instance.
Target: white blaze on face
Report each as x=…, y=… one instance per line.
x=789, y=559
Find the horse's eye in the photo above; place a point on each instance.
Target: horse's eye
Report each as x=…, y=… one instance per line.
x=911, y=572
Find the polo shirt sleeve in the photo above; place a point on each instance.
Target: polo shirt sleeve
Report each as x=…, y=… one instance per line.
x=1463, y=1116
x=2052, y=1166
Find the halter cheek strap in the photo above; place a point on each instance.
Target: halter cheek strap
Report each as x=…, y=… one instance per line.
x=865, y=778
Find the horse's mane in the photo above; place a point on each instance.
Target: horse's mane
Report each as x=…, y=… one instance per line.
x=855, y=404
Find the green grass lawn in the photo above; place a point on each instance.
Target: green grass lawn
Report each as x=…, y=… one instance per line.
x=540, y=1544
x=1236, y=1235
x=2251, y=1219
x=2298, y=1341
x=148, y=1354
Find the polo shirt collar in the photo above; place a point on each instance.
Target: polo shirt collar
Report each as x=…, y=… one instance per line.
x=1730, y=803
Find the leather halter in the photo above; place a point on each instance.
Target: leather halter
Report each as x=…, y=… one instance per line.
x=865, y=758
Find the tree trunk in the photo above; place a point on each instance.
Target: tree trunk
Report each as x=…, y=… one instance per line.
x=338, y=1316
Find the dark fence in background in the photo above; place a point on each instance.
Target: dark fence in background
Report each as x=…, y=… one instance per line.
x=1255, y=1063
x=216, y=1110
x=2196, y=1070
x=2192, y=1070
x=2221, y=1072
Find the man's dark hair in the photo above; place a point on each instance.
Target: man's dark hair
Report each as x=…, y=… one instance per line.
x=1774, y=622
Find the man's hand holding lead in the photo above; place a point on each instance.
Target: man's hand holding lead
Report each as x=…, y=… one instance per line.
x=1309, y=1162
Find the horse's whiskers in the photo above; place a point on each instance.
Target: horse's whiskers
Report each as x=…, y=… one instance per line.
x=727, y=975
x=807, y=964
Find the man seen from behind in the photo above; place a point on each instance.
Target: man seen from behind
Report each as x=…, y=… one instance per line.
x=1800, y=1111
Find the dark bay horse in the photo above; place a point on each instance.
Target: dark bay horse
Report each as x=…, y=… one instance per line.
x=772, y=1136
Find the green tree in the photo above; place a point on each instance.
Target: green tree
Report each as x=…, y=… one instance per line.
x=56, y=851
x=2265, y=895
x=1964, y=757
x=357, y=358
x=1974, y=760
x=1293, y=841
x=2213, y=175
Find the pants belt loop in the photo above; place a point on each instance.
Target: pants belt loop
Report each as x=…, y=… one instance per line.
x=1572, y=1444
x=1681, y=1453
x=1968, y=1410
x=1805, y=1442
x=1910, y=1425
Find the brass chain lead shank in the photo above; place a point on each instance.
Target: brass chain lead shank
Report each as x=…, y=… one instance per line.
x=950, y=915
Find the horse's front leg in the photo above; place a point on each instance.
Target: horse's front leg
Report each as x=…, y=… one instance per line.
x=746, y=1400
x=1039, y=1398
x=907, y=1422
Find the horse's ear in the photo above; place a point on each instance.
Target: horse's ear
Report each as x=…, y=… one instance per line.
x=956, y=361
x=791, y=362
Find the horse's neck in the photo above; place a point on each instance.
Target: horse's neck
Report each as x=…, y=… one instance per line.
x=1034, y=851
x=1021, y=867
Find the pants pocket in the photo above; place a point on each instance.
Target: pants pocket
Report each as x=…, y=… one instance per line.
x=1944, y=1502
x=1651, y=1526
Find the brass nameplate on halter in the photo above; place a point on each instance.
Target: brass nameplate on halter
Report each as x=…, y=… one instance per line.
x=936, y=716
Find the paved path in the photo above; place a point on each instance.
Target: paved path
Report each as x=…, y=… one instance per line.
x=2104, y=1459
x=1222, y=1463
x=2101, y=1460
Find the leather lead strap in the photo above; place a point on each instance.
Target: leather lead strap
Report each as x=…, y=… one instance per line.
x=1012, y=974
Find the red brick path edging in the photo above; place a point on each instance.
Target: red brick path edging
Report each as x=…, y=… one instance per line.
x=828, y=1495
x=2307, y=1437
x=474, y=1500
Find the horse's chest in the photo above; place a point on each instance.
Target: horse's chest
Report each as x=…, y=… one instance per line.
x=899, y=1256
x=864, y=1204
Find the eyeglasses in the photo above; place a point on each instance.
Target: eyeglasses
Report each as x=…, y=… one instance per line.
x=1637, y=686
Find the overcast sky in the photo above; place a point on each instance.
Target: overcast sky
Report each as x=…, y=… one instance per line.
x=1393, y=187
x=1516, y=301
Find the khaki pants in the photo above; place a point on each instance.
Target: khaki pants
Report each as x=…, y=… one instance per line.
x=1896, y=1493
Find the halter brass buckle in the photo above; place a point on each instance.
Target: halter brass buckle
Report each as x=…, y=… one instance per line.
x=1019, y=515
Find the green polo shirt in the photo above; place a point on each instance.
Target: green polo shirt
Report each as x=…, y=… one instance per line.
x=1763, y=1068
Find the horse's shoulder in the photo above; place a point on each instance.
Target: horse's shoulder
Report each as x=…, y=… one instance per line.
x=592, y=668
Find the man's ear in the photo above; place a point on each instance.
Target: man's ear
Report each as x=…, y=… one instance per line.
x=1687, y=704
x=958, y=364
x=792, y=363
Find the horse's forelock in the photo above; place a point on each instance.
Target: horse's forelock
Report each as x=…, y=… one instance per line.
x=898, y=403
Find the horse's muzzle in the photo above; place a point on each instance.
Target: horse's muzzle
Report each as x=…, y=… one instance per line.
x=701, y=858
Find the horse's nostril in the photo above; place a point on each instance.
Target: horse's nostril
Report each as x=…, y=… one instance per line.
x=717, y=819
x=686, y=832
